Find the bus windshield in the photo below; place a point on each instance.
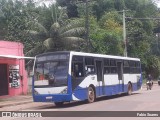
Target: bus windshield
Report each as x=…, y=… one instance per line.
x=51, y=73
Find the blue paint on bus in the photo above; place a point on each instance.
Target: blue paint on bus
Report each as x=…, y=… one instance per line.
x=52, y=98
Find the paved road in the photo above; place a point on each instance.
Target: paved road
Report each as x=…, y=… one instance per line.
x=142, y=100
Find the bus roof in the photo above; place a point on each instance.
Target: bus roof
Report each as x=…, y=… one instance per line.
x=103, y=55
x=90, y=54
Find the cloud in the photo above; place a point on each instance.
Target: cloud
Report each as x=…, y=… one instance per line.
x=46, y=2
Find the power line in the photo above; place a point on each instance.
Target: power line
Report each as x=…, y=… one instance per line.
x=144, y=18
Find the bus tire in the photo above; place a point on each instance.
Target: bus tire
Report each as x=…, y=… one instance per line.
x=91, y=95
x=58, y=104
x=129, y=92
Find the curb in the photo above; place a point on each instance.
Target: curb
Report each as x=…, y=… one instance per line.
x=15, y=103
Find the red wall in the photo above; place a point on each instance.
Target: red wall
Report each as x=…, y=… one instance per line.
x=14, y=48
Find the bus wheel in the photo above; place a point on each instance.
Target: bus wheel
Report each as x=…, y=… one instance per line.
x=129, y=89
x=58, y=104
x=91, y=95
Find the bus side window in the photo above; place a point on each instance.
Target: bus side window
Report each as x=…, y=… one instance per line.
x=89, y=69
x=78, y=69
x=89, y=65
x=106, y=70
x=113, y=66
x=126, y=66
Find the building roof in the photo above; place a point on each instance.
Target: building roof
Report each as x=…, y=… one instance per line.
x=15, y=57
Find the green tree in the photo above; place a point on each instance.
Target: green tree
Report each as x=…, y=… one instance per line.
x=60, y=36
x=71, y=7
x=153, y=65
x=13, y=21
x=140, y=36
x=107, y=35
x=101, y=6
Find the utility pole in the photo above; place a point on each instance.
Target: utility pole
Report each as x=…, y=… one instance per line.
x=124, y=34
x=158, y=38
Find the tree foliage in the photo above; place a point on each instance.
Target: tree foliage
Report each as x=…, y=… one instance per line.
x=107, y=35
x=63, y=34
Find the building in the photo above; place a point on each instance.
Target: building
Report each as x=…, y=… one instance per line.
x=13, y=76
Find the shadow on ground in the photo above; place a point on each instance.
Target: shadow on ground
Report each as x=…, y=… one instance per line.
x=78, y=103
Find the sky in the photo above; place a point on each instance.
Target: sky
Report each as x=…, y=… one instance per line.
x=46, y=2
x=158, y=4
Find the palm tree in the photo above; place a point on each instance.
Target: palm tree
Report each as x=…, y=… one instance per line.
x=64, y=34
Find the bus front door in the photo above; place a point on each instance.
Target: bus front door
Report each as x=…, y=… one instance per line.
x=120, y=76
x=100, y=78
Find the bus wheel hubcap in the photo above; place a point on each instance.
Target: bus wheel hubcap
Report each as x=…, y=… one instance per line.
x=129, y=89
x=91, y=95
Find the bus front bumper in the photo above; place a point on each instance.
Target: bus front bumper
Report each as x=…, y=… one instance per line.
x=52, y=98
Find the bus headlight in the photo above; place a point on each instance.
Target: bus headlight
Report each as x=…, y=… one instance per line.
x=64, y=91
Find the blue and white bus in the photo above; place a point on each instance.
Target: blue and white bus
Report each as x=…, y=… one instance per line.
x=75, y=76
